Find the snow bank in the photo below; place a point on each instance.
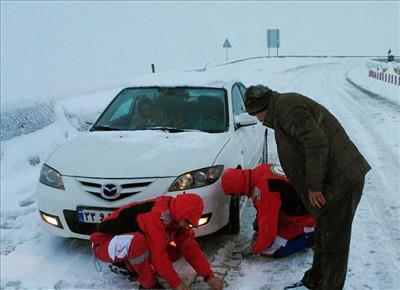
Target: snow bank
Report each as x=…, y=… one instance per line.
x=374, y=87
x=25, y=119
x=21, y=116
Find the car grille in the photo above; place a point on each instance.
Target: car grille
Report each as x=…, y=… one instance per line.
x=126, y=187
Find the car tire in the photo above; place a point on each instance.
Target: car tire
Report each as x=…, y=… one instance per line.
x=264, y=158
x=233, y=226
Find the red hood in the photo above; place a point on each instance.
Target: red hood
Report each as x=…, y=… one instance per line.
x=236, y=181
x=186, y=206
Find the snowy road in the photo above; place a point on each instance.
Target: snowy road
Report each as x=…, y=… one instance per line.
x=31, y=259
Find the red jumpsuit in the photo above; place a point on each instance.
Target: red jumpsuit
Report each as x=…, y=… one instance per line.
x=139, y=234
x=281, y=216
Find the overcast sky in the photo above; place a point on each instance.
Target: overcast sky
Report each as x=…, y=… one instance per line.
x=50, y=46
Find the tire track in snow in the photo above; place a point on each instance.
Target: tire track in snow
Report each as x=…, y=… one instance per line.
x=368, y=113
x=379, y=201
x=221, y=250
x=381, y=99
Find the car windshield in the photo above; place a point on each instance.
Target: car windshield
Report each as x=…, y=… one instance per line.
x=172, y=109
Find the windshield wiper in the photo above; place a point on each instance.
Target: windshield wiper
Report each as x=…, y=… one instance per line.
x=212, y=131
x=168, y=129
x=105, y=128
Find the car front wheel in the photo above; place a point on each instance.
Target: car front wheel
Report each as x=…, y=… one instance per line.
x=233, y=226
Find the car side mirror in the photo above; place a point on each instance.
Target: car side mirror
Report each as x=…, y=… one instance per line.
x=244, y=119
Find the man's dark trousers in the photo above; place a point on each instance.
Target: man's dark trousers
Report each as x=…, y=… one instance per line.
x=332, y=243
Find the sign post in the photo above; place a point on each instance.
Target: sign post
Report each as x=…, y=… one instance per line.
x=227, y=45
x=273, y=40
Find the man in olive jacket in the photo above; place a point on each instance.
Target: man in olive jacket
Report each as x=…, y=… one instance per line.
x=325, y=168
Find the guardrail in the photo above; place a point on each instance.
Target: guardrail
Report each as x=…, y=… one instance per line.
x=389, y=78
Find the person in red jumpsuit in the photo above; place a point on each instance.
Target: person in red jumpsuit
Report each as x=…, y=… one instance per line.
x=147, y=237
x=282, y=226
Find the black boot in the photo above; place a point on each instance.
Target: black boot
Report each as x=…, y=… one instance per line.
x=155, y=286
x=120, y=268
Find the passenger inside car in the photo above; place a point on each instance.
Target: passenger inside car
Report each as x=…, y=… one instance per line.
x=173, y=105
x=210, y=114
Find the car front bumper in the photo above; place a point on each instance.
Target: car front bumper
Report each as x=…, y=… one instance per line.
x=62, y=205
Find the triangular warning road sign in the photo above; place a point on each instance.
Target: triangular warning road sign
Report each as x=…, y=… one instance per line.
x=227, y=43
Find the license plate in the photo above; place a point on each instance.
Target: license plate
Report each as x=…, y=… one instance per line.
x=92, y=216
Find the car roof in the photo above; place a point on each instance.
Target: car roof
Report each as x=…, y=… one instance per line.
x=182, y=79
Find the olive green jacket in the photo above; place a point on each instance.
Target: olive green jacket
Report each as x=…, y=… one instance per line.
x=314, y=149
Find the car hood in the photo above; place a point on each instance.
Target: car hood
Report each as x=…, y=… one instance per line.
x=137, y=154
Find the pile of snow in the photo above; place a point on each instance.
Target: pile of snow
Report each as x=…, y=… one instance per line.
x=26, y=119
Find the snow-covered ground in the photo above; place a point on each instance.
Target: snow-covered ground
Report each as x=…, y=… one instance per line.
x=368, y=109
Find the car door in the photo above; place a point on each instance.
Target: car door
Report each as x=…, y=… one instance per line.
x=257, y=141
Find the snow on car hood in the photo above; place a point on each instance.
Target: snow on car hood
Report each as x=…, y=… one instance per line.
x=137, y=154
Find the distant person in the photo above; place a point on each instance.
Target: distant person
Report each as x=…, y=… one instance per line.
x=326, y=170
x=144, y=238
x=282, y=226
x=390, y=56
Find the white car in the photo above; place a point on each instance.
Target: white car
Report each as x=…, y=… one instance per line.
x=152, y=141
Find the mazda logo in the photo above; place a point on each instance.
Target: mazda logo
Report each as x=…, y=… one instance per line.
x=110, y=191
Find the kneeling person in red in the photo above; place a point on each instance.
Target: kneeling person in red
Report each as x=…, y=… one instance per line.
x=147, y=237
x=282, y=226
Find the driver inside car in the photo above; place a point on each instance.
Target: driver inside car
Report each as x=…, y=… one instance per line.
x=143, y=113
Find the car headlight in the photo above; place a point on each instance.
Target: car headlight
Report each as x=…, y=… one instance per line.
x=197, y=178
x=51, y=177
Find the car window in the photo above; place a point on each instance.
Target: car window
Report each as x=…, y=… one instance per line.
x=242, y=89
x=178, y=108
x=122, y=111
x=237, y=100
